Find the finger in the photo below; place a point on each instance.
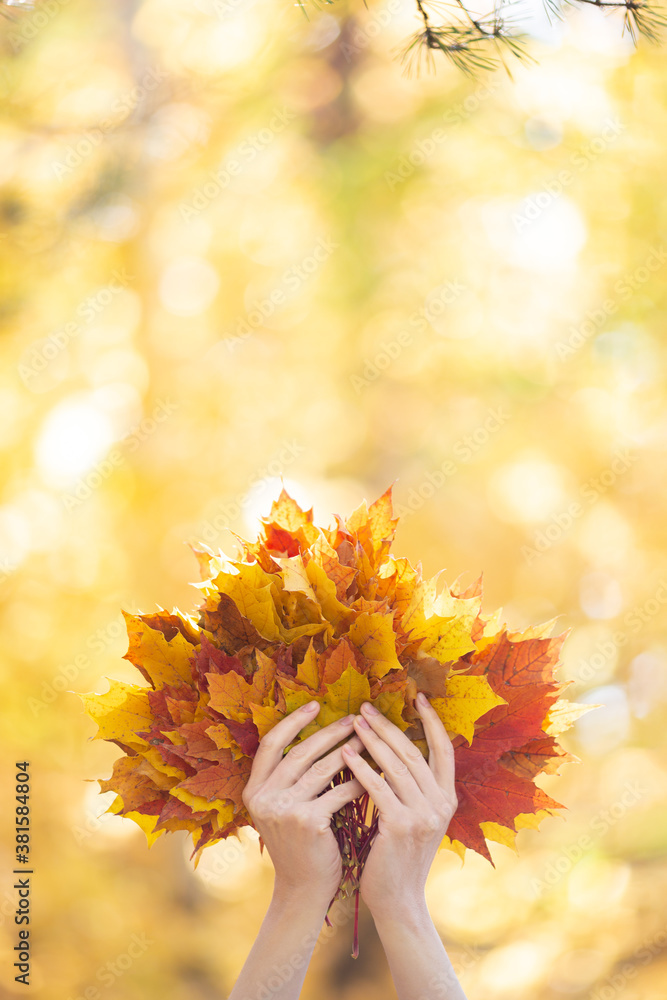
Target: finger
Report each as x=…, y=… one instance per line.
x=318, y=776
x=402, y=747
x=376, y=786
x=296, y=762
x=270, y=750
x=395, y=770
x=440, y=748
x=329, y=802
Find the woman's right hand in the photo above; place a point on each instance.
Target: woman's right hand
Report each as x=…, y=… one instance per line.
x=293, y=819
x=416, y=800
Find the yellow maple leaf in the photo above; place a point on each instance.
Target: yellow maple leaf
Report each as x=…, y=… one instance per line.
x=381, y=521
x=500, y=834
x=397, y=578
x=374, y=526
x=326, y=595
x=147, y=823
x=232, y=694
x=340, y=698
x=265, y=717
x=391, y=704
x=254, y=593
x=224, y=740
x=531, y=821
x=446, y=639
x=157, y=775
x=374, y=635
x=153, y=757
x=120, y=713
x=468, y=698
x=198, y=803
x=287, y=514
x=165, y=661
x=453, y=845
x=308, y=671
x=344, y=696
x=301, y=616
x=358, y=518
x=564, y=714
x=294, y=700
x=492, y=626
x=295, y=576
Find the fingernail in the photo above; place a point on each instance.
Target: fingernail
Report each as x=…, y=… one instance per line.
x=370, y=709
x=350, y=751
x=362, y=723
x=421, y=699
x=347, y=720
x=311, y=706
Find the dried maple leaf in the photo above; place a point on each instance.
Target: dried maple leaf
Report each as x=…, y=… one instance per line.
x=328, y=614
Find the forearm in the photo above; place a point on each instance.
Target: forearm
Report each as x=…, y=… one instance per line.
x=279, y=958
x=419, y=964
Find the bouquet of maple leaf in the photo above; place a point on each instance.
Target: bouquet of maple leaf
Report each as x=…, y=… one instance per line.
x=328, y=614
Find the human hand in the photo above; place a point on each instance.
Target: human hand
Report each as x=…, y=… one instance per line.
x=416, y=800
x=293, y=819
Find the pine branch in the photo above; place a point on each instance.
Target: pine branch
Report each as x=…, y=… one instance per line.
x=472, y=44
x=640, y=18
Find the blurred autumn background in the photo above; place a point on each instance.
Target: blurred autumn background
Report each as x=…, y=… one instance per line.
x=241, y=246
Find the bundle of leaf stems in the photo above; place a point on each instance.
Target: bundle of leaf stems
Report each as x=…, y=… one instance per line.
x=354, y=837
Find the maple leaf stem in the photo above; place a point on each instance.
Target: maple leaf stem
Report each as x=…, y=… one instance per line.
x=355, y=940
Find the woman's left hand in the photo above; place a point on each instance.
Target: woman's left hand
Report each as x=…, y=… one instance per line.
x=415, y=799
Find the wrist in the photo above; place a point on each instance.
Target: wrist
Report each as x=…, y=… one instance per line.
x=300, y=897
x=408, y=912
